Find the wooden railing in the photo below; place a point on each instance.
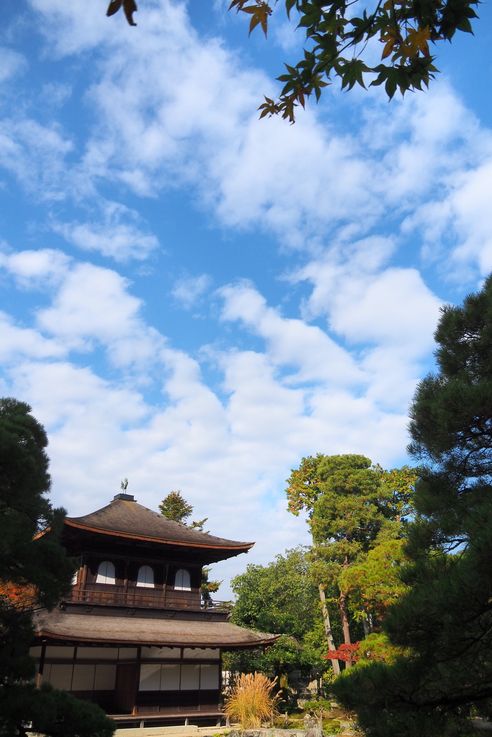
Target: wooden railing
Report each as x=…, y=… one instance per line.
x=113, y=595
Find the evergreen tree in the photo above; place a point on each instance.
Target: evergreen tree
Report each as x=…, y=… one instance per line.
x=445, y=620
x=350, y=503
x=34, y=572
x=175, y=507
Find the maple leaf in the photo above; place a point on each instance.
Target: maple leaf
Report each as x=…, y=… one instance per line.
x=129, y=7
x=259, y=15
x=417, y=41
x=390, y=40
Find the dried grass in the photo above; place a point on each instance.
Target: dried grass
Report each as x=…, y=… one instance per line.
x=252, y=702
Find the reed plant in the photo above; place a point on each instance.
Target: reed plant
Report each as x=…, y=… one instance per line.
x=252, y=701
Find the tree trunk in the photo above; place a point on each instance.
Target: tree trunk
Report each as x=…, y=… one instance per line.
x=342, y=606
x=327, y=625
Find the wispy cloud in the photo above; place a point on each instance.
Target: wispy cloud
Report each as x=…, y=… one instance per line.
x=189, y=290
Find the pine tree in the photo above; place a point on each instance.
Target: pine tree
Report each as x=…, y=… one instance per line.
x=350, y=502
x=175, y=507
x=34, y=572
x=446, y=618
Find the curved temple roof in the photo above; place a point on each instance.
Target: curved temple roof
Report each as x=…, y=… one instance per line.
x=125, y=518
x=64, y=626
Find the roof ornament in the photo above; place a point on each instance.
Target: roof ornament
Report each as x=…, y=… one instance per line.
x=123, y=495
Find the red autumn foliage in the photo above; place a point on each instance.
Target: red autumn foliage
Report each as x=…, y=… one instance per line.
x=346, y=653
x=20, y=597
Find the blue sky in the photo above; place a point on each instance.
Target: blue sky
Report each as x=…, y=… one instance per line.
x=195, y=299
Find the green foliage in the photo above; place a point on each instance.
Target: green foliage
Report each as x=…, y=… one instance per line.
x=284, y=656
x=208, y=587
x=355, y=512
x=377, y=647
x=382, y=697
x=16, y=667
x=445, y=619
x=337, y=36
x=304, y=485
x=38, y=565
x=175, y=507
x=320, y=475
x=451, y=413
x=58, y=714
x=338, y=32
x=24, y=509
x=279, y=597
x=374, y=582
x=283, y=599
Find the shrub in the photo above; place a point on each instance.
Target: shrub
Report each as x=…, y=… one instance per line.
x=59, y=714
x=251, y=701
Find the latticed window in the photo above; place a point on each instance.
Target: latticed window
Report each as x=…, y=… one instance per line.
x=182, y=580
x=106, y=572
x=145, y=577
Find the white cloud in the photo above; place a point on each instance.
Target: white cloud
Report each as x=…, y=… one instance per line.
x=291, y=342
x=17, y=341
x=93, y=307
x=335, y=374
x=11, y=63
x=368, y=302
x=35, y=154
x=42, y=268
x=459, y=224
x=161, y=122
x=116, y=235
x=73, y=29
x=189, y=290
x=229, y=453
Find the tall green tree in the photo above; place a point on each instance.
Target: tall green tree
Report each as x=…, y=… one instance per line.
x=25, y=509
x=445, y=619
x=350, y=502
x=339, y=43
x=34, y=572
x=280, y=598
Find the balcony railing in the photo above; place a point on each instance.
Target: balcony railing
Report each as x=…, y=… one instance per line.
x=113, y=595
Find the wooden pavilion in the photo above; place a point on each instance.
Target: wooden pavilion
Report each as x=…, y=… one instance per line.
x=134, y=635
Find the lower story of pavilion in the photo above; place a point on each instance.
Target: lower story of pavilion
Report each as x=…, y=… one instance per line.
x=131, y=665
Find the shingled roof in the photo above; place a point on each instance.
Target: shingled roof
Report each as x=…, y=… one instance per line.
x=124, y=517
x=68, y=626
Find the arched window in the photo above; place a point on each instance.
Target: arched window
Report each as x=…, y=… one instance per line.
x=145, y=577
x=106, y=573
x=182, y=580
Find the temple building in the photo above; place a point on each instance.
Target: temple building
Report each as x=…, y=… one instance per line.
x=134, y=635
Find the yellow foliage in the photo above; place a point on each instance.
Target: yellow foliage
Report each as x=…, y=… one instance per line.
x=251, y=702
x=417, y=41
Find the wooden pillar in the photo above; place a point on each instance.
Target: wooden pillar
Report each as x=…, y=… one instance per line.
x=125, y=584
x=166, y=575
x=220, y=679
x=137, y=680
x=82, y=579
x=39, y=674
